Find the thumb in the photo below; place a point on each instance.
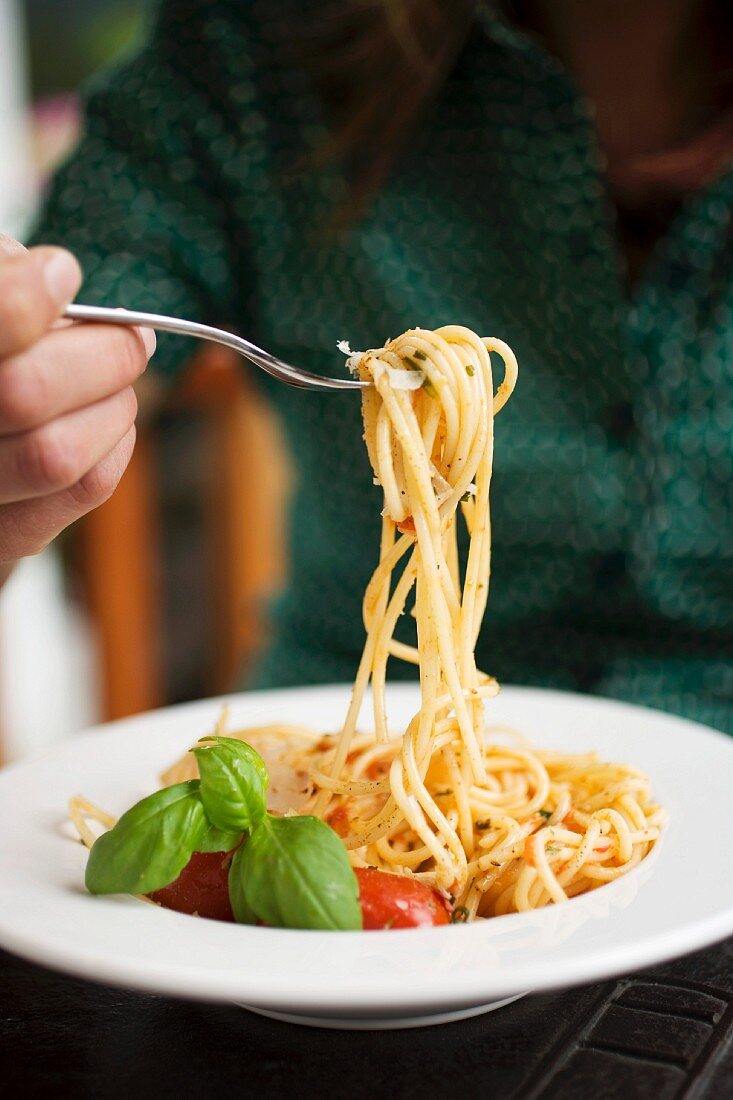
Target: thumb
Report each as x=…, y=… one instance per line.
x=35, y=287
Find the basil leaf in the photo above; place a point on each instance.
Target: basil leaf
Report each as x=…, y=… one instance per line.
x=218, y=840
x=233, y=783
x=294, y=872
x=243, y=912
x=150, y=844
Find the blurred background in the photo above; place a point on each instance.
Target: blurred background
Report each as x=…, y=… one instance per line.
x=161, y=595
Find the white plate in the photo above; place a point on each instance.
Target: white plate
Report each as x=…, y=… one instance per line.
x=679, y=899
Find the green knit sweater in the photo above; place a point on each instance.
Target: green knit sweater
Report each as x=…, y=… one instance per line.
x=612, y=498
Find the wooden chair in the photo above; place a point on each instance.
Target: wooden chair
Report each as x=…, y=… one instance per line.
x=243, y=513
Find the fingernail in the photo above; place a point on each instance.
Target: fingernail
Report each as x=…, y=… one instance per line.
x=149, y=339
x=62, y=276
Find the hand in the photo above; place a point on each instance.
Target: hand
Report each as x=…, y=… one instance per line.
x=67, y=406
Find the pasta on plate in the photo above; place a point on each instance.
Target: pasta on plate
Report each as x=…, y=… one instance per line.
x=493, y=824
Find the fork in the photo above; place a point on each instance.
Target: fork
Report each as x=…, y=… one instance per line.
x=284, y=372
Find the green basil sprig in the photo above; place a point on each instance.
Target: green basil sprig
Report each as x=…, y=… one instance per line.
x=290, y=872
x=234, y=780
x=218, y=840
x=294, y=872
x=150, y=844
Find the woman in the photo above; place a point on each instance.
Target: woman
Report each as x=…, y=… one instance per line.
x=556, y=174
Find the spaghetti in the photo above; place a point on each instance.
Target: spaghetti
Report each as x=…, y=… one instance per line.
x=477, y=814
x=498, y=828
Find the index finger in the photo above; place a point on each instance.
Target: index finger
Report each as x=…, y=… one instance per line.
x=35, y=287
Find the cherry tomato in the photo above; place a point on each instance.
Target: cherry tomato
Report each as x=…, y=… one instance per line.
x=201, y=888
x=391, y=901
x=387, y=901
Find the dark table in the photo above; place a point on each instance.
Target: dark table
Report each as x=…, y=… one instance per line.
x=661, y=1034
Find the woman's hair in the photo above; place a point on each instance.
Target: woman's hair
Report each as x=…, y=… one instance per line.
x=377, y=64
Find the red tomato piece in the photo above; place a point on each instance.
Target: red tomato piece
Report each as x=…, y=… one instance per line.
x=201, y=888
x=392, y=901
x=338, y=819
x=387, y=901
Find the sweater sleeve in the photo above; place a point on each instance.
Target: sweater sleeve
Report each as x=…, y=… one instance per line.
x=144, y=201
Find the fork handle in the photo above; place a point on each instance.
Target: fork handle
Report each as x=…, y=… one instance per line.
x=269, y=363
x=177, y=325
